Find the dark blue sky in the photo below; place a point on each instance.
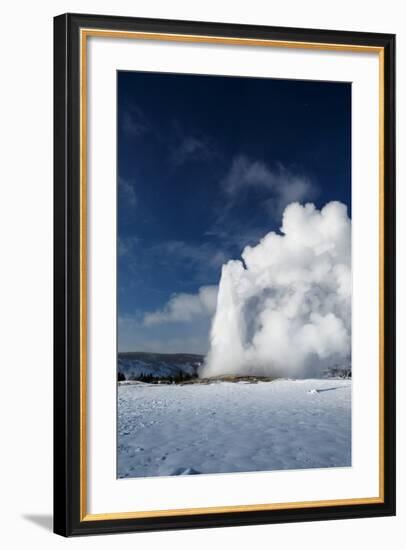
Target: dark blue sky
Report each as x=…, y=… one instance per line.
x=206, y=165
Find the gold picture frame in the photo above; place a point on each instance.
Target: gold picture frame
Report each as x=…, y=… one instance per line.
x=71, y=40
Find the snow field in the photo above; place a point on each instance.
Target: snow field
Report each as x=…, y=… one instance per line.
x=233, y=427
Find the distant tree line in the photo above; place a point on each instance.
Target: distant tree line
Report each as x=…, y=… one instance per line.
x=338, y=372
x=151, y=379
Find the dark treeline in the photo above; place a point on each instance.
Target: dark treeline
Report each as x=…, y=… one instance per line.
x=151, y=379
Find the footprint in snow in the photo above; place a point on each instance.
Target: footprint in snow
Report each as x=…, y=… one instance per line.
x=185, y=472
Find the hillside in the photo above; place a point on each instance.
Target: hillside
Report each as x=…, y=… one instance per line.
x=146, y=366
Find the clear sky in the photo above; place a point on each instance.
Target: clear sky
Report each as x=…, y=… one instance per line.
x=206, y=165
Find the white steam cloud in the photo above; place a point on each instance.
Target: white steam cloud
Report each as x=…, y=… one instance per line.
x=286, y=309
x=185, y=307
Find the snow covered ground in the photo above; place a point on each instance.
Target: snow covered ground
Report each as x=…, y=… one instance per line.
x=233, y=427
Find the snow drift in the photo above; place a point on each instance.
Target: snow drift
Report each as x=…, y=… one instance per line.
x=285, y=310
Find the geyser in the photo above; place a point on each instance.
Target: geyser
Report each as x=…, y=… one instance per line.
x=286, y=309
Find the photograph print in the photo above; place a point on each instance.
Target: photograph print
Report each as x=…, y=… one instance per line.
x=233, y=274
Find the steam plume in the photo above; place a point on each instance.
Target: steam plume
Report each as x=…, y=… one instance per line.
x=286, y=309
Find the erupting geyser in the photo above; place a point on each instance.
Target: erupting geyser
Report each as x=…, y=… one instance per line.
x=286, y=311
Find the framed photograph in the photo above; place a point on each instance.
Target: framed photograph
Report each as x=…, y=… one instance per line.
x=224, y=274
